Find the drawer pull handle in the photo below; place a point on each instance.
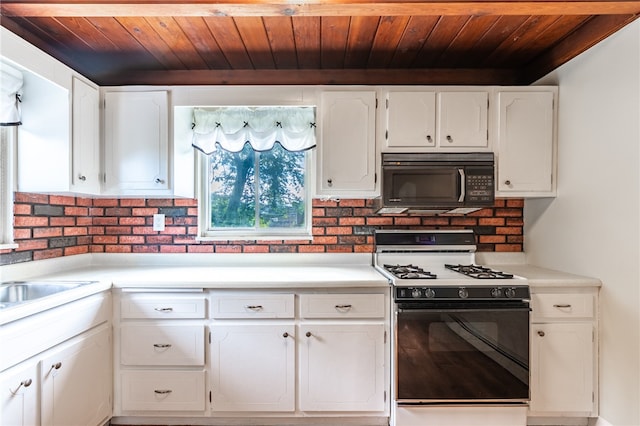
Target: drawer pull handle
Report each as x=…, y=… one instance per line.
x=254, y=307
x=540, y=333
x=25, y=383
x=164, y=309
x=161, y=345
x=343, y=307
x=163, y=391
x=561, y=306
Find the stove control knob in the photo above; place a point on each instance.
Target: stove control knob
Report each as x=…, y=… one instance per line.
x=463, y=293
x=496, y=292
x=510, y=292
x=415, y=293
x=429, y=293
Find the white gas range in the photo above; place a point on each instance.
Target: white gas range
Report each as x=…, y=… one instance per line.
x=460, y=331
x=424, y=261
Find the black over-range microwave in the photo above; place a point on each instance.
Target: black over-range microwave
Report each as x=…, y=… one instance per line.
x=436, y=182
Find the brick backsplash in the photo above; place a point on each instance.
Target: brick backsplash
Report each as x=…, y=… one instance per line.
x=49, y=226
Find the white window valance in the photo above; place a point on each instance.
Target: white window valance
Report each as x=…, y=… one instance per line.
x=230, y=128
x=10, y=87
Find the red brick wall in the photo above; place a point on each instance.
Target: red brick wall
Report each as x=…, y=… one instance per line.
x=48, y=226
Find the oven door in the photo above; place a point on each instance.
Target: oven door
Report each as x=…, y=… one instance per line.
x=462, y=352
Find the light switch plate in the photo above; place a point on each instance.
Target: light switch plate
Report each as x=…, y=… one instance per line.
x=158, y=222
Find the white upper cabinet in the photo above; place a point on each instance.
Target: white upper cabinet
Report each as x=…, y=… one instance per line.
x=416, y=119
x=59, y=144
x=136, y=143
x=463, y=119
x=346, y=149
x=85, y=173
x=410, y=119
x=58, y=148
x=526, y=146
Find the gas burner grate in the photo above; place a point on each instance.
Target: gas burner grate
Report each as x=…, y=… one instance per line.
x=479, y=272
x=409, y=272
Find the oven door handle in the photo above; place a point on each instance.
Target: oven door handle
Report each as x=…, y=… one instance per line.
x=458, y=310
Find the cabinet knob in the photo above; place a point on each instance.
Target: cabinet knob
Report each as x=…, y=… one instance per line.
x=540, y=333
x=329, y=182
x=82, y=178
x=308, y=334
x=429, y=138
x=55, y=366
x=285, y=334
x=158, y=180
x=507, y=182
x=449, y=139
x=25, y=383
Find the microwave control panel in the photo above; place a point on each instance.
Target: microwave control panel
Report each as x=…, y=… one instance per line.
x=479, y=188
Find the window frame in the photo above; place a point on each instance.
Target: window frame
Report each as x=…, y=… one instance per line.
x=205, y=233
x=8, y=138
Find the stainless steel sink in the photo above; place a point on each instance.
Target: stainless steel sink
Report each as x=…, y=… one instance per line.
x=17, y=292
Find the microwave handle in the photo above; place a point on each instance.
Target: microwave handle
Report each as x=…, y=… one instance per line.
x=463, y=185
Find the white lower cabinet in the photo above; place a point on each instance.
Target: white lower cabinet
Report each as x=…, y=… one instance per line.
x=57, y=366
x=563, y=354
x=19, y=389
x=253, y=367
x=76, y=381
x=328, y=356
x=270, y=353
x=160, y=349
x=342, y=367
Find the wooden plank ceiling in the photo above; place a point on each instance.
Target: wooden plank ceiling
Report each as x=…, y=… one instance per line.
x=114, y=42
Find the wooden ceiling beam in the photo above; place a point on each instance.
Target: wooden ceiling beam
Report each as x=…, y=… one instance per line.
x=315, y=77
x=118, y=8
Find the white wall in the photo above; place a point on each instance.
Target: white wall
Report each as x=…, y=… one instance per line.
x=592, y=227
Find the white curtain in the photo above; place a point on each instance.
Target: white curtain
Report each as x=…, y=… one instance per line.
x=10, y=86
x=230, y=128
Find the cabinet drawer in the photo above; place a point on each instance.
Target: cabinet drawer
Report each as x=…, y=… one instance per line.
x=163, y=391
x=562, y=305
x=342, y=305
x=253, y=306
x=143, y=344
x=162, y=306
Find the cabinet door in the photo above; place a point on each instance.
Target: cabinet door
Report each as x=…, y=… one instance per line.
x=411, y=119
x=346, y=151
x=76, y=381
x=85, y=174
x=562, y=367
x=136, y=143
x=525, y=143
x=253, y=367
x=342, y=367
x=463, y=120
x=19, y=403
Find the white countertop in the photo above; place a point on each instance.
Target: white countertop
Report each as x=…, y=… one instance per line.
x=542, y=277
x=231, y=272
x=231, y=277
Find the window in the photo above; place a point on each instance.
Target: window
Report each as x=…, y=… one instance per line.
x=7, y=136
x=255, y=186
